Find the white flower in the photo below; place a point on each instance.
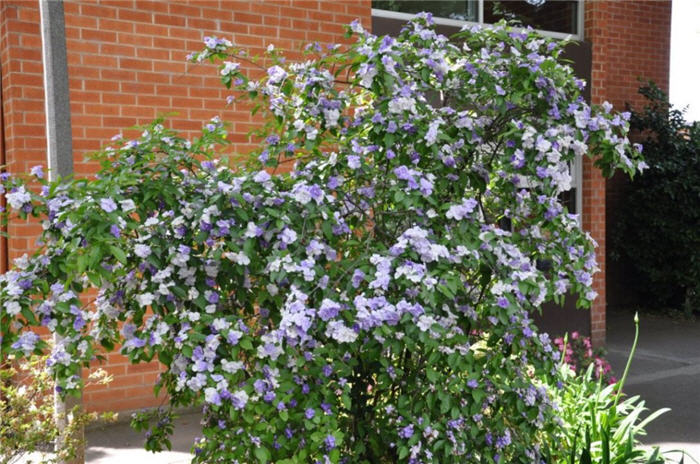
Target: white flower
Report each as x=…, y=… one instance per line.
x=426, y=322
x=142, y=251
x=22, y=262
x=332, y=116
x=145, y=299
x=231, y=366
x=220, y=324
x=251, y=230
x=229, y=67
x=341, y=333
x=238, y=258
x=311, y=132
x=212, y=396
x=18, y=198
x=13, y=308
x=288, y=236
x=127, y=205
x=401, y=104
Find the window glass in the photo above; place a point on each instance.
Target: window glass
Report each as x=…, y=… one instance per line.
x=547, y=15
x=555, y=16
x=465, y=10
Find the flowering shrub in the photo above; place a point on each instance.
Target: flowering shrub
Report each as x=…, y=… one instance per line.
x=373, y=304
x=27, y=414
x=578, y=354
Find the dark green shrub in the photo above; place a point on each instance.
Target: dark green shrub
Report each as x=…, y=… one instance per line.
x=658, y=233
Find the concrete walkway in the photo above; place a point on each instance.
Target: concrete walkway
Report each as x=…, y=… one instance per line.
x=665, y=372
x=120, y=444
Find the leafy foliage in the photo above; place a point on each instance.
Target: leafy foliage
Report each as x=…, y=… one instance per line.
x=596, y=426
x=27, y=414
x=659, y=219
x=370, y=306
x=598, y=430
x=578, y=354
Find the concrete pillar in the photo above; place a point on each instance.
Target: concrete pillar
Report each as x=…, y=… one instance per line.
x=59, y=149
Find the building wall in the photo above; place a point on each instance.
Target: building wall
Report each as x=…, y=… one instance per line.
x=631, y=40
x=127, y=65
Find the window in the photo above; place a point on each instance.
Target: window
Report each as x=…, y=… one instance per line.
x=561, y=18
x=465, y=10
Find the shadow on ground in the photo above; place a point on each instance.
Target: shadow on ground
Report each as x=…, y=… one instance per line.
x=665, y=372
x=119, y=443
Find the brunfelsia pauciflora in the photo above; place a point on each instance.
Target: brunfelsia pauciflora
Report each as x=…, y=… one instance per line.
x=371, y=305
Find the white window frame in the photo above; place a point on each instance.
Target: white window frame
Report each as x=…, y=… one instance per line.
x=480, y=9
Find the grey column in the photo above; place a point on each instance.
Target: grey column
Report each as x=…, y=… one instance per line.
x=59, y=152
x=59, y=142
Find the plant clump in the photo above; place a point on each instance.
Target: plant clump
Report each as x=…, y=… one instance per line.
x=373, y=304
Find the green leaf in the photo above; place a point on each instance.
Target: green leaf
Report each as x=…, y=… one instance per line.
x=262, y=454
x=246, y=344
x=118, y=253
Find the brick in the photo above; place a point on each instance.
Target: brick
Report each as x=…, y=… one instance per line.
x=135, y=15
x=136, y=64
x=98, y=35
x=117, y=49
x=116, y=25
x=170, y=20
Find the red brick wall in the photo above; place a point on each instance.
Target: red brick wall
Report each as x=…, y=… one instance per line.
x=631, y=39
x=126, y=62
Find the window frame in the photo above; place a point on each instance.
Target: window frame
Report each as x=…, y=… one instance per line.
x=480, y=12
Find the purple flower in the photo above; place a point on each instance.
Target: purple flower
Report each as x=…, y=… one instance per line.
x=353, y=161
x=261, y=177
x=108, y=205
x=328, y=310
x=357, y=277
x=114, y=230
x=406, y=432
x=309, y=413
x=211, y=297
x=26, y=342
x=329, y=442
x=459, y=212
x=38, y=171
x=277, y=74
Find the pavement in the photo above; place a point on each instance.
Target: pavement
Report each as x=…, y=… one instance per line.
x=120, y=444
x=665, y=372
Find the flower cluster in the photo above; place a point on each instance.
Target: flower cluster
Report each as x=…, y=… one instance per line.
x=371, y=305
x=578, y=353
